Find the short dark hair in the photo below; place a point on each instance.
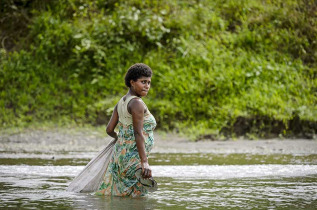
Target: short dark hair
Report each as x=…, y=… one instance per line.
x=137, y=71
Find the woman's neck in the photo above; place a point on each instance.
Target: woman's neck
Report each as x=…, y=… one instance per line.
x=132, y=93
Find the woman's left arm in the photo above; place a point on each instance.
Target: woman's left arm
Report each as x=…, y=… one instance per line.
x=113, y=123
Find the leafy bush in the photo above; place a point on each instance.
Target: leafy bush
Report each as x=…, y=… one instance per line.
x=215, y=63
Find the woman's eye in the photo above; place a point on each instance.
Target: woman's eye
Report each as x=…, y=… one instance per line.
x=146, y=82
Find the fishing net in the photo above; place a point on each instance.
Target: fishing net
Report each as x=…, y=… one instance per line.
x=90, y=178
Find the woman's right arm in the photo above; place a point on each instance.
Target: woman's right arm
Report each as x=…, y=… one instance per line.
x=137, y=112
x=113, y=123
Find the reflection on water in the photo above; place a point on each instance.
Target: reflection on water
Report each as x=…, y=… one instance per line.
x=79, y=158
x=191, y=186
x=243, y=193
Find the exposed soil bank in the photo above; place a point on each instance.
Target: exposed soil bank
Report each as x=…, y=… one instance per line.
x=74, y=140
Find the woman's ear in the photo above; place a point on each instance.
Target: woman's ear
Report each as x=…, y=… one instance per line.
x=131, y=82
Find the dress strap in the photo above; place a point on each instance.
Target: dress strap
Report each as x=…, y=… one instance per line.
x=124, y=116
x=128, y=99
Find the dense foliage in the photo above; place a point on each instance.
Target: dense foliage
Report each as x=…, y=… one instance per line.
x=220, y=67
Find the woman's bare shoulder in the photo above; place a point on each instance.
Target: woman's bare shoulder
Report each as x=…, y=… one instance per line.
x=136, y=105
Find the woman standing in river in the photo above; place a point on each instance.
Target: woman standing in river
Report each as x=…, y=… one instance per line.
x=134, y=139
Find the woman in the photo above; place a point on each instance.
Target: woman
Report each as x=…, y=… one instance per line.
x=134, y=139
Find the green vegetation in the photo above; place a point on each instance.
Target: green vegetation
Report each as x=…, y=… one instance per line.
x=221, y=67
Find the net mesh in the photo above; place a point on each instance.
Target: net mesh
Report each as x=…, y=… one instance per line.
x=90, y=178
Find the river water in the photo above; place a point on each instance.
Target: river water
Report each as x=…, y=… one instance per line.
x=186, y=181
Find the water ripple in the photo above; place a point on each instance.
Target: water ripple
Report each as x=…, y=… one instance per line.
x=197, y=172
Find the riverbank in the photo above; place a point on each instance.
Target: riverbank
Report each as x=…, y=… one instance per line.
x=90, y=140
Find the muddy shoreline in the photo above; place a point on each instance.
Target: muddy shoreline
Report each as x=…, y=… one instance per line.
x=89, y=140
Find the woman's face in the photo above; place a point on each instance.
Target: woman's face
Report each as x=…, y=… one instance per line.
x=141, y=87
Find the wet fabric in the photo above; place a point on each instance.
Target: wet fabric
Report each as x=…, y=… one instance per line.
x=120, y=179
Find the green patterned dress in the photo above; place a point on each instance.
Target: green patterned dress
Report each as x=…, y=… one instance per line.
x=120, y=179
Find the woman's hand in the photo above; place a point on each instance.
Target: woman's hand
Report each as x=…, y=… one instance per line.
x=146, y=170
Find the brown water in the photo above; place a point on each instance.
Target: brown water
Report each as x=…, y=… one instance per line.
x=186, y=181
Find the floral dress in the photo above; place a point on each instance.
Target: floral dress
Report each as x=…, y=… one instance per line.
x=119, y=178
